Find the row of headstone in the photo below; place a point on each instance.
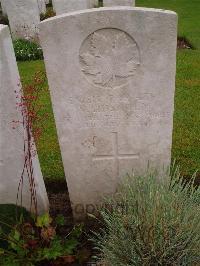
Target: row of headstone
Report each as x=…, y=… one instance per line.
x=65, y=6
x=12, y=155
x=41, y=5
x=24, y=17
x=112, y=79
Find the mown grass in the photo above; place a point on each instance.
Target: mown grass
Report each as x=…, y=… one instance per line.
x=186, y=134
x=188, y=16
x=47, y=145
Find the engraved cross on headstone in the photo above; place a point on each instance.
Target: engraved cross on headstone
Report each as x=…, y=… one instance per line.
x=116, y=155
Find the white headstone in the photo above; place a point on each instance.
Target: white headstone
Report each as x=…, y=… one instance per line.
x=24, y=17
x=65, y=6
x=42, y=6
x=12, y=140
x=93, y=3
x=112, y=81
x=3, y=7
x=118, y=3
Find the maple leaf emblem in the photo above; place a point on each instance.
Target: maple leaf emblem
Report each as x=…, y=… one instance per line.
x=110, y=59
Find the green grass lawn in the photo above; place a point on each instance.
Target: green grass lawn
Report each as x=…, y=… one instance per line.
x=186, y=135
x=188, y=14
x=47, y=145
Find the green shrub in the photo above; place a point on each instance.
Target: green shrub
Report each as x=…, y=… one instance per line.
x=26, y=50
x=151, y=221
x=10, y=214
x=36, y=241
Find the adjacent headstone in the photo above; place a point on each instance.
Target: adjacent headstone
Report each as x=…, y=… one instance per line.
x=3, y=7
x=42, y=6
x=112, y=79
x=93, y=3
x=12, y=140
x=24, y=17
x=107, y=3
x=65, y=6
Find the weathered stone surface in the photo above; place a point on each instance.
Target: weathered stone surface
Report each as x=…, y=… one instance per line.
x=12, y=140
x=112, y=78
x=3, y=7
x=118, y=3
x=24, y=17
x=65, y=6
x=42, y=6
x=93, y=3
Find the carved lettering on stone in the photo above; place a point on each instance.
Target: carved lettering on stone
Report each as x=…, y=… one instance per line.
x=111, y=78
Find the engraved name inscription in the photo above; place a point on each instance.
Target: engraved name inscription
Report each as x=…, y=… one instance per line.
x=113, y=110
x=101, y=110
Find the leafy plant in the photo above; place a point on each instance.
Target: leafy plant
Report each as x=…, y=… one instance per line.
x=9, y=215
x=36, y=241
x=157, y=223
x=26, y=50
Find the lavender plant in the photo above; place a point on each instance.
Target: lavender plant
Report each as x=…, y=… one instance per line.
x=159, y=224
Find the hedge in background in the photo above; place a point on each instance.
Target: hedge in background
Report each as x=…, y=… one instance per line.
x=26, y=50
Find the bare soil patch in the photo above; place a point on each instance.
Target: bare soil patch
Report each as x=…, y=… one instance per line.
x=183, y=43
